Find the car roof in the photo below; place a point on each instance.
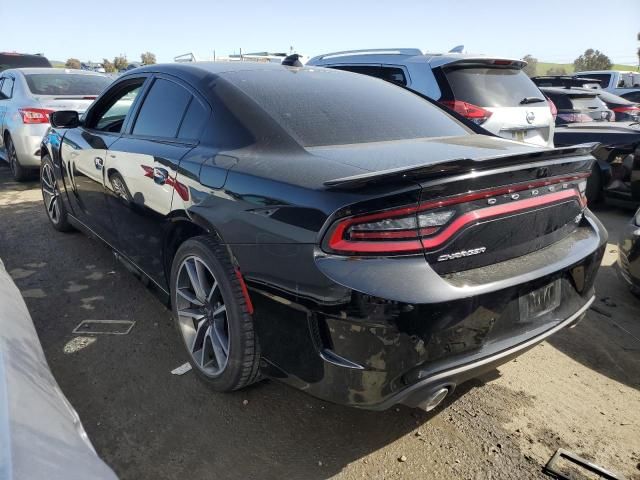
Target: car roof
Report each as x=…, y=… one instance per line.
x=410, y=55
x=35, y=71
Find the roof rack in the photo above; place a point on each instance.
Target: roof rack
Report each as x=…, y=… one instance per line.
x=566, y=81
x=373, y=51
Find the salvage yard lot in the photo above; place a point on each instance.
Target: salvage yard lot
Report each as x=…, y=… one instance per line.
x=579, y=391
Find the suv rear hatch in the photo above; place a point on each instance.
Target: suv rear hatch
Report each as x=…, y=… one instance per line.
x=498, y=95
x=471, y=212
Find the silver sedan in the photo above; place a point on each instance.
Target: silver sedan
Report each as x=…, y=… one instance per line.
x=27, y=97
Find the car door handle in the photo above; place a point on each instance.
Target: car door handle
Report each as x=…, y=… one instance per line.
x=160, y=175
x=98, y=162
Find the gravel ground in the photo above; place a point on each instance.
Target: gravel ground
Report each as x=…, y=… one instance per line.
x=580, y=390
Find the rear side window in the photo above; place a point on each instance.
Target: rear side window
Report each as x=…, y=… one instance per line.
x=390, y=74
x=162, y=110
x=193, y=121
x=488, y=86
x=7, y=88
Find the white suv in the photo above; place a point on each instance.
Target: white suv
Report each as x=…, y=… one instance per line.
x=492, y=92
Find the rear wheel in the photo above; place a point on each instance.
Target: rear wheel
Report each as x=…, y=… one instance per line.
x=19, y=173
x=212, y=316
x=53, y=203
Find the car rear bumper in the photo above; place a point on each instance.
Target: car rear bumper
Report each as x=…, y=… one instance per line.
x=357, y=346
x=27, y=140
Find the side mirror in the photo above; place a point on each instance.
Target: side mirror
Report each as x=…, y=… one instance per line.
x=64, y=119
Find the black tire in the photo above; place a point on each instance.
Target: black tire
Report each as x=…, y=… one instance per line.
x=56, y=211
x=243, y=359
x=594, y=185
x=20, y=174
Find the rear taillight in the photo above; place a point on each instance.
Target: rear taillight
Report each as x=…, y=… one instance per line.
x=35, y=115
x=429, y=225
x=630, y=110
x=552, y=107
x=474, y=113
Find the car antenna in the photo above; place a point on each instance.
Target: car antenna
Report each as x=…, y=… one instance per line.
x=457, y=49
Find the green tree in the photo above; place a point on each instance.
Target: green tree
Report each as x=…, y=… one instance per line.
x=148, y=58
x=556, y=71
x=532, y=65
x=108, y=65
x=120, y=63
x=73, y=63
x=592, y=60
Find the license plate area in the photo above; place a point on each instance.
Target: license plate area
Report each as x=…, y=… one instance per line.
x=541, y=301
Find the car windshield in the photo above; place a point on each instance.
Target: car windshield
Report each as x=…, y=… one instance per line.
x=66, y=83
x=330, y=107
x=489, y=86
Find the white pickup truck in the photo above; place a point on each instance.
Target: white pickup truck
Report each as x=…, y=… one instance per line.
x=617, y=82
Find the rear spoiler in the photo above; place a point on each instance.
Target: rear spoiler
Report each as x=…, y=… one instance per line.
x=457, y=166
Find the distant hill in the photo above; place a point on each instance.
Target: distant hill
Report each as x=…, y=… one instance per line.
x=543, y=67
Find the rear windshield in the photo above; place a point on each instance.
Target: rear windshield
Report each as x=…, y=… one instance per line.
x=587, y=103
x=328, y=107
x=489, y=87
x=22, y=61
x=66, y=83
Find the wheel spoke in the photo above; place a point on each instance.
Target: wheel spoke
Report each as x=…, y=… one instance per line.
x=220, y=336
x=194, y=313
x=193, y=278
x=212, y=291
x=189, y=297
x=218, y=349
x=46, y=189
x=198, y=338
x=56, y=211
x=51, y=204
x=219, y=310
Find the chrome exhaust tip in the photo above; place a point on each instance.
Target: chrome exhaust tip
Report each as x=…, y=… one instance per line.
x=434, y=400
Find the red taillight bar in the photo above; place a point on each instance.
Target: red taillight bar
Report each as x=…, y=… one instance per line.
x=339, y=244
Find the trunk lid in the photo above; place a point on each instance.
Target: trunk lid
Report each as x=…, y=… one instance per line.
x=474, y=212
x=66, y=102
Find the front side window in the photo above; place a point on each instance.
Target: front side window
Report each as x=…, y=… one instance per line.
x=7, y=88
x=162, y=110
x=111, y=115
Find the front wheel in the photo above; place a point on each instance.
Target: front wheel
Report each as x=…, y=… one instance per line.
x=56, y=211
x=212, y=316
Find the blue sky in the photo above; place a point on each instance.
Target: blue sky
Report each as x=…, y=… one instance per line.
x=554, y=31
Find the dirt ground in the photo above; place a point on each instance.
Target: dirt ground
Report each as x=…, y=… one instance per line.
x=579, y=391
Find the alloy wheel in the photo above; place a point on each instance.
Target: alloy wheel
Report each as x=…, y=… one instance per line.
x=12, y=156
x=202, y=316
x=50, y=193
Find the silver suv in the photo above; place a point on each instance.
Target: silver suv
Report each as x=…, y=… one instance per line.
x=492, y=92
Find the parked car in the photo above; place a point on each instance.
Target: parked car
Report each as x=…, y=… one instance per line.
x=617, y=82
x=324, y=228
x=40, y=433
x=577, y=105
x=27, y=98
x=492, y=92
x=22, y=60
x=616, y=173
x=624, y=109
x=629, y=254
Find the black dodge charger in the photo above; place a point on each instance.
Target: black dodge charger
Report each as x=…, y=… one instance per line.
x=327, y=229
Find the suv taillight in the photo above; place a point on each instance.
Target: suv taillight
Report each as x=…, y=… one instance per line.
x=552, y=107
x=474, y=113
x=35, y=115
